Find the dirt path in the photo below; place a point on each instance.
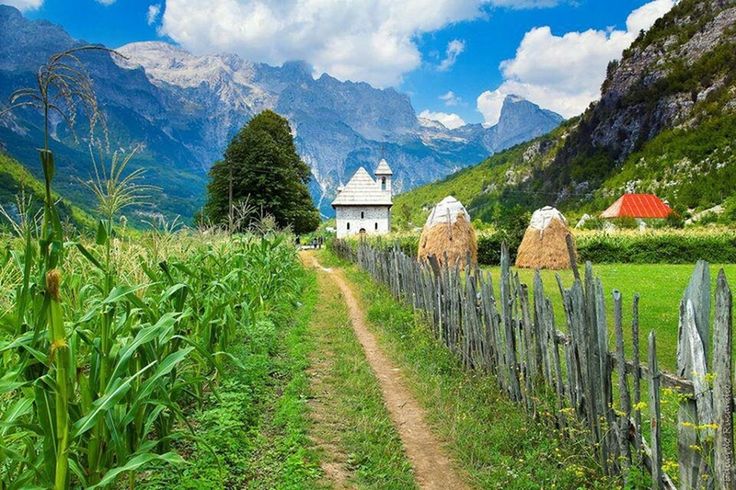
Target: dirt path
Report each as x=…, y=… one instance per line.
x=432, y=467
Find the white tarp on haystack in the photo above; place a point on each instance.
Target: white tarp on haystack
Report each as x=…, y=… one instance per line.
x=544, y=216
x=446, y=212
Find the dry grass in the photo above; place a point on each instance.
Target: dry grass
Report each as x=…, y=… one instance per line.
x=544, y=249
x=450, y=243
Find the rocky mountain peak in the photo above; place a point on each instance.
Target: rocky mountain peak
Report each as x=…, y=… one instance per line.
x=522, y=120
x=165, y=62
x=655, y=86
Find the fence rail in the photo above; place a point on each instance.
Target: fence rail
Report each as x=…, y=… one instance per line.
x=513, y=336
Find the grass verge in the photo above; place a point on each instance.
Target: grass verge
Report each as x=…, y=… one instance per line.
x=495, y=442
x=256, y=423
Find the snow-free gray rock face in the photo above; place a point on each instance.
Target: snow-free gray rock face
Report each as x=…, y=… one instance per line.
x=623, y=118
x=521, y=121
x=185, y=108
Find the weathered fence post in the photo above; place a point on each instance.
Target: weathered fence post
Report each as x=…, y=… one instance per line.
x=559, y=384
x=692, y=344
x=654, y=413
x=623, y=386
x=637, y=379
x=723, y=387
x=513, y=370
x=527, y=327
x=539, y=354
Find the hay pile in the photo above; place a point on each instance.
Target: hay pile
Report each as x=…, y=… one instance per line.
x=448, y=232
x=544, y=245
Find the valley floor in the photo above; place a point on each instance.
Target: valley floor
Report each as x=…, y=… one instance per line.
x=449, y=428
x=352, y=391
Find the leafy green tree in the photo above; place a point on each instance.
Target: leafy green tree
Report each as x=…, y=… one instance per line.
x=261, y=167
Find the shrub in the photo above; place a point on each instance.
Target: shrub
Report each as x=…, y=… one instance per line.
x=626, y=223
x=729, y=210
x=665, y=246
x=592, y=224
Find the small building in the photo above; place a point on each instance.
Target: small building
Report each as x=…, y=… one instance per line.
x=642, y=206
x=363, y=206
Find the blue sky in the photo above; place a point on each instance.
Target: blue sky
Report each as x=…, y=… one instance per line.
x=490, y=41
x=456, y=59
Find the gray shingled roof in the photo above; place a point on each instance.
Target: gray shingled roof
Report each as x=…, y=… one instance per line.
x=383, y=168
x=362, y=190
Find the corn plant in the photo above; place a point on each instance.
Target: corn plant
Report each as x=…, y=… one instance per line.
x=80, y=388
x=62, y=88
x=106, y=345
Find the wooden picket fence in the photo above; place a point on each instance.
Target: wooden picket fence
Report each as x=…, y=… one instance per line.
x=513, y=336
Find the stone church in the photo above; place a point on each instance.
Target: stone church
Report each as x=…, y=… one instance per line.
x=363, y=206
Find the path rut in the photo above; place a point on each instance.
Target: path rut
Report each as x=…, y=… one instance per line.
x=432, y=467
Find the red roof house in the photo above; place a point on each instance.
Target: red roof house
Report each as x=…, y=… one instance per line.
x=637, y=206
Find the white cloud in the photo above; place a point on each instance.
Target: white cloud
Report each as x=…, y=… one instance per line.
x=448, y=120
x=105, y=2
x=564, y=73
x=489, y=104
x=367, y=40
x=454, y=49
x=522, y=4
x=23, y=5
x=154, y=11
x=644, y=17
x=450, y=99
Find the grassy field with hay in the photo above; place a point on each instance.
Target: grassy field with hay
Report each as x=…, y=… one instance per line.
x=660, y=287
x=669, y=257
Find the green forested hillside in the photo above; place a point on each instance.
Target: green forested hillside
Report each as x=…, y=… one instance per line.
x=693, y=168
x=481, y=187
x=15, y=180
x=665, y=123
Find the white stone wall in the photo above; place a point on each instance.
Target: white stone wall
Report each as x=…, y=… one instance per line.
x=375, y=220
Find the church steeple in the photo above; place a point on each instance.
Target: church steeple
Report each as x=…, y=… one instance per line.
x=383, y=174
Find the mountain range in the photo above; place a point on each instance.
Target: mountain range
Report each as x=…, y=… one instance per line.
x=184, y=108
x=665, y=124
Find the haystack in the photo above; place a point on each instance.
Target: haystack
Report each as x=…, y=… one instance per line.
x=544, y=245
x=448, y=234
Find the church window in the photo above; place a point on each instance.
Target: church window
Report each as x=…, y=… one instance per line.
x=348, y=225
x=376, y=226
x=362, y=215
x=383, y=183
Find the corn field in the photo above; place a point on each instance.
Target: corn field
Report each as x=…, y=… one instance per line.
x=107, y=343
x=100, y=359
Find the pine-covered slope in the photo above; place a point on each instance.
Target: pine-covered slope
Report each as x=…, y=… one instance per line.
x=665, y=123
